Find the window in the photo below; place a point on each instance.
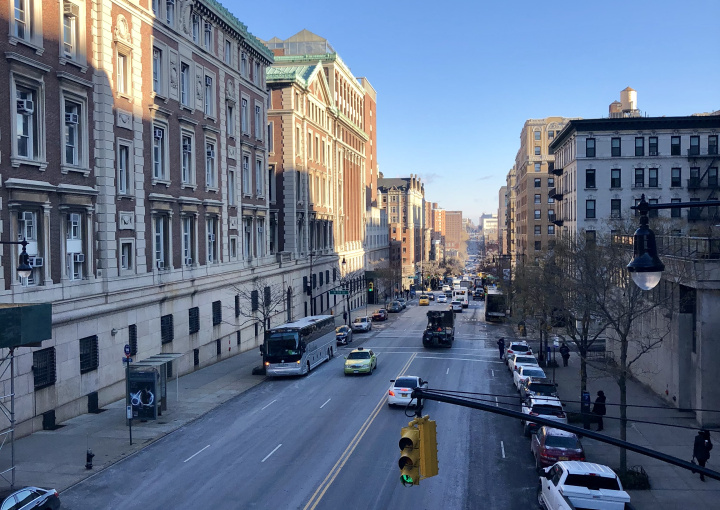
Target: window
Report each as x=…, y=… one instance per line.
x=28, y=139
x=230, y=118
x=233, y=248
x=270, y=145
x=123, y=169
x=615, y=178
x=157, y=71
x=259, y=178
x=26, y=23
x=44, y=368
x=551, y=134
x=167, y=332
x=652, y=177
x=653, y=145
x=209, y=96
x=123, y=75
x=72, y=133
x=538, y=230
x=184, y=84
x=639, y=146
x=537, y=151
x=538, y=245
x=590, y=178
x=271, y=183
x=551, y=230
x=187, y=167
x=590, y=237
x=247, y=237
x=170, y=12
x=244, y=65
x=126, y=256
x=159, y=159
x=256, y=74
x=208, y=36
x=194, y=320
x=537, y=167
x=537, y=214
x=675, y=178
x=231, y=187
x=615, y=146
x=244, y=115
x=70, y=35
x=537, y=183
x=551, y=182
x=589, y=209
x=537, y=135
x=615, y=208
x=196, y=28
x=216, y=312
x=639, y=178
x=713, y=177
x=694, y=145
x=188, y=240
x=677, y=212
x=74, y=246
x=712, y=144
x=210, y=169
x=161, y=233
x=258, y=122
x=246, y=174
x=589, y=147
x=212, y=241
x=89, y=357
x=261, y=238
x=694, y=177
x=537, y=199
x=228, y=52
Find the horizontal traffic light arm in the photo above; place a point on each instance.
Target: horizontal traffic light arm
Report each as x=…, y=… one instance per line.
x=419, y=393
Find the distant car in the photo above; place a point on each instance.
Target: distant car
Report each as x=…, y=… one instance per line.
x=380, y=315
x=516, y=360
x=478, y=295
x=442, y=298
x=361, y=324
x=456, y=306
x=403, y=302
x=549, y=408
x=401, y=389
x=360, y=361
x=431, y=296
x=525, y=371
x=394, y=307
x=538, y=387
x=343, y=335
x=550, y=445
x=424, y=300
x=517, y=346
x=22, y=498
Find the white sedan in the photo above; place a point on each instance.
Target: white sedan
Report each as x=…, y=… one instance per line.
x=456, y=306
x=525, y=371
x=441, y=298
x=519, y=359
x=401, y=390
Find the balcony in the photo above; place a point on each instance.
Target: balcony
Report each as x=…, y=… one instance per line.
x=697, y=183
x=557, y=170
x=555, y=194
x=695, y=152
x=559, y=223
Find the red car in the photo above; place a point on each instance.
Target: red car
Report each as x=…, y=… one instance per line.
x=550, y=445
x=380, y=315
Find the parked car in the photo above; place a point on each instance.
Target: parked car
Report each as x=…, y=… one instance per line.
x=343, y=335
x=520, y=359
x=442, y=298
x=456, y=306
x=394, y=307
x=403, y=302
x=517, y=346
x=549, y=408
x=424, y=300
x=402, y=387
x=582, y=485
x=380, y=315
x=360, y=361
x=22, y=498
x=550, y=445
x=361, y=324
x=524, y=372
x=538, y=387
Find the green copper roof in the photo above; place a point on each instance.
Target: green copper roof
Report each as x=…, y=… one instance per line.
x=300, y=74
x=238, y=25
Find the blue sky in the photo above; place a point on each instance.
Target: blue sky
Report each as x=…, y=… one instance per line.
x=457, y=79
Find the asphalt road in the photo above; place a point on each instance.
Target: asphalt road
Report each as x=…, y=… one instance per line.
x=328, y=441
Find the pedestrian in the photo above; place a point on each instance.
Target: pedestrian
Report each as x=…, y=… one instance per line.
x=501, y=346
x=701, y=449
x=599, y=409
x=565, y=353
x=344, y=316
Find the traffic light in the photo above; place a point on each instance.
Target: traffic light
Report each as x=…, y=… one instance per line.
x=370, y=286
x=428, y=447
x=409, y=462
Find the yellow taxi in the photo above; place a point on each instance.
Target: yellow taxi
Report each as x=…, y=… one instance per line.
x=424, y=300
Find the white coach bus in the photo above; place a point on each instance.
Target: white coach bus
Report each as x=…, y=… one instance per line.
x=297, y=347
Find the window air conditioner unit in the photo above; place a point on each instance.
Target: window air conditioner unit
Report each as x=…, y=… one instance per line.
x=160, y=264
x=247, y=229
x=260, y=229
x=35, y=261
x=188, y=261
x=187, y=148
x=208, y=80
x=71, y=118
x=71, y=9
x=211, y=237
x=158, y=133
x=208, y=27
x=25, y=106
x=211, y=153
x=79, y=257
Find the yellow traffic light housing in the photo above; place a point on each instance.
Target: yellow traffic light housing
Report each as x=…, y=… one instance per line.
x=409, y=462
x=428, y=448
x=370, y=286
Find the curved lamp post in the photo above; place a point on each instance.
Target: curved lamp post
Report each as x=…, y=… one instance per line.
x=24, y=268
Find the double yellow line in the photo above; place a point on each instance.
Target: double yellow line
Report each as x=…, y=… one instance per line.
x=330, y=478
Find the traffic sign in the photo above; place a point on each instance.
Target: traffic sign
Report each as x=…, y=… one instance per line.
x=127, y=349
x=127, y=360
x=340, y=292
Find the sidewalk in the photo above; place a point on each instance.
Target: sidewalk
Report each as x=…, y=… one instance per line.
x=57, y=458
x=671, y=487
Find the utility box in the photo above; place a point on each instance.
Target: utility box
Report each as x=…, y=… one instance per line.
x=25, y=325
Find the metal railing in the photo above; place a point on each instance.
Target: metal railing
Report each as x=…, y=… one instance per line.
x=693, y=248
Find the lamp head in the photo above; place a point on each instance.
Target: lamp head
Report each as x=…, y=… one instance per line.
x=646, y=267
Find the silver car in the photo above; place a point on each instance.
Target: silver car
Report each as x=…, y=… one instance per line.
x=361, y=324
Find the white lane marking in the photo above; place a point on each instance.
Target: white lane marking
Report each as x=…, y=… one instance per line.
x=447, y=372
x=493, y=372
x=497, y=404
x=328, y=400
x=502, y=447
x=271, y=403
x=191, y=456
x=268, y=455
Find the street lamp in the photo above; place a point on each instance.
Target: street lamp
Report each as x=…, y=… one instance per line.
x=24, y=269
x=347, y=287
x=646, y=267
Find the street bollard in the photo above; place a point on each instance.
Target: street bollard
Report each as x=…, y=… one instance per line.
x=88, y=459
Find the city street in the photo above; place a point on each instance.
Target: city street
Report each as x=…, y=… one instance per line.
x=328, y=441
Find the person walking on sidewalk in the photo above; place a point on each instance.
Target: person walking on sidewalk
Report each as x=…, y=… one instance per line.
x=501, y=346
x=599, y=408
x=701, y=449
x=565, y=353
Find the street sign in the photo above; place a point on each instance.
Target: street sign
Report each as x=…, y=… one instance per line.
x=127, y=349
x=127, y=360
x=340, y=292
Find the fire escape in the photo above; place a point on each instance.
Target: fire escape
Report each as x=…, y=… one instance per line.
x=703, y=179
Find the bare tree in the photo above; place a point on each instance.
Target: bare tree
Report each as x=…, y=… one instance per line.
x=259, y=300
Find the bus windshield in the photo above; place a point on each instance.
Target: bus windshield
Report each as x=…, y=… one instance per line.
x=283, y=344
